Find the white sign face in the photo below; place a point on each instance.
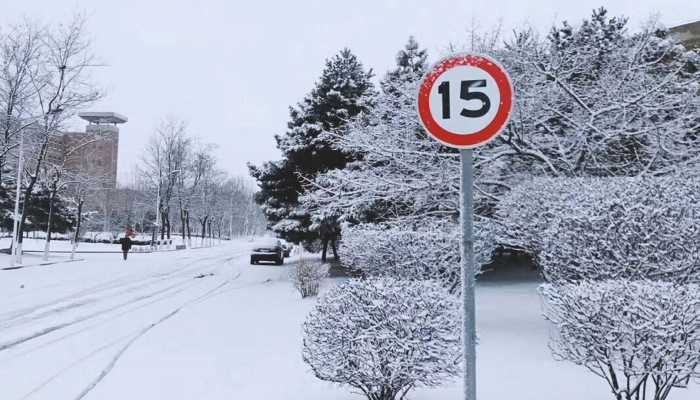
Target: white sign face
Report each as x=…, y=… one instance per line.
x=464, y=100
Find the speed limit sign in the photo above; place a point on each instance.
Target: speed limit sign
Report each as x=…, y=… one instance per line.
x=465, y=100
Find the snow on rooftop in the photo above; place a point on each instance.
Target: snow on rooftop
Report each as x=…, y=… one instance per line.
x=103, y=117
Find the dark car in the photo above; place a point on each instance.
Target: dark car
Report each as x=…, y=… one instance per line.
x=268, y=250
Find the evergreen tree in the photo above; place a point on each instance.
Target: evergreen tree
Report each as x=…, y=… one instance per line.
x=343, y=91
x=37, y=215
x=410, y=67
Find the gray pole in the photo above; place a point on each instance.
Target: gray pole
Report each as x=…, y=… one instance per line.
x=468, y=281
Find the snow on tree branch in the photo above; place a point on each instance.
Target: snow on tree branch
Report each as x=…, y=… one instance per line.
x=597, y=100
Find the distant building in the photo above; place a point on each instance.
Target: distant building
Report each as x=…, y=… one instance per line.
x=688, y=34
x=94, y=152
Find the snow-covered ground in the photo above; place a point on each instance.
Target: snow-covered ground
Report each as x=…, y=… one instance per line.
x=204, y=324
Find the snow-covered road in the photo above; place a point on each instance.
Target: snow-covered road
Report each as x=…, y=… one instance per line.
x=64, y=328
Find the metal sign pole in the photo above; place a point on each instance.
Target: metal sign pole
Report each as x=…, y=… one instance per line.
x=468, y=279
x=490, y=84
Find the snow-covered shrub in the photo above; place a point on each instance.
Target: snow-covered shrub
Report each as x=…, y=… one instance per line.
x=640, y=336
x=384, y=336
x=432, y=252
x=525, y=212
x=604, y=228
x=307, y=276
x=636, y=228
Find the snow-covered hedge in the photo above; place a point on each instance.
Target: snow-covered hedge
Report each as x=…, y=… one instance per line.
x=526, y=211
x=384, y=336
x=637, y=335
x=431, y=252
x=605, y=228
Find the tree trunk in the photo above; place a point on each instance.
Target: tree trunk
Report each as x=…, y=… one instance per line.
x=210, y=235
x=183, y=224
x=189, y=231
x=162, y=223
x=47, y=244
x=25, y=207
x=204, y=229
x=76, y=236
x=166, y=217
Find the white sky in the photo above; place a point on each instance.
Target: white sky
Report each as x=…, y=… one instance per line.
x=231, y=68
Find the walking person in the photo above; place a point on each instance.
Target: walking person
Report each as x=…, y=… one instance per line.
x=126, y=244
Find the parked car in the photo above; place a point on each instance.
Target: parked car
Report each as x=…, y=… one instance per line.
x=268, y=250
x=286, y=247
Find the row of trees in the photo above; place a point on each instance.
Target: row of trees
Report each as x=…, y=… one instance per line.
x=185, y=185
x=45, y=79
x=595, y=103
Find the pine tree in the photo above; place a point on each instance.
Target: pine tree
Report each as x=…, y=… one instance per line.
x=343, y=91
x=410, y=67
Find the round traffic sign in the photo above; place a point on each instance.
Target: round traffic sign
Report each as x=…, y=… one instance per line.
x=465, y=100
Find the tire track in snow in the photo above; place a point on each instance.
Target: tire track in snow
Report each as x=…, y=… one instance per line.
x=50, y=329
x=38, y=334
x=209, y=294
x=121, y=351
x=217, y=290
x=103, y=287
x=25, y=315
x=59, y=339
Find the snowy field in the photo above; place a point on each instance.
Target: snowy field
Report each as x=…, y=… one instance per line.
x=204, y=324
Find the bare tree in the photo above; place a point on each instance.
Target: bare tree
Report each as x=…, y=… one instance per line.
x=20, y=56
x=165, y=161
x=61, y=86
x=78, y=188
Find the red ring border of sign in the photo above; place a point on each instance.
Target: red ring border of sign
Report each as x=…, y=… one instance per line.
x=457, y=140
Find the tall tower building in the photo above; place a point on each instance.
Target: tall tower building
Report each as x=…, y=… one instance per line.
x=95, y=152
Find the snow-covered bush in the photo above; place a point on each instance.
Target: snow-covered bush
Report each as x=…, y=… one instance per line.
x=307, y=276
x=525, y=212
x=604, y=228
x=635, y=228
x=384, y=336
x=432, y=252
x=640, y=336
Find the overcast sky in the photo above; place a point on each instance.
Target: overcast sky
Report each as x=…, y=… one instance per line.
x=231, y=68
